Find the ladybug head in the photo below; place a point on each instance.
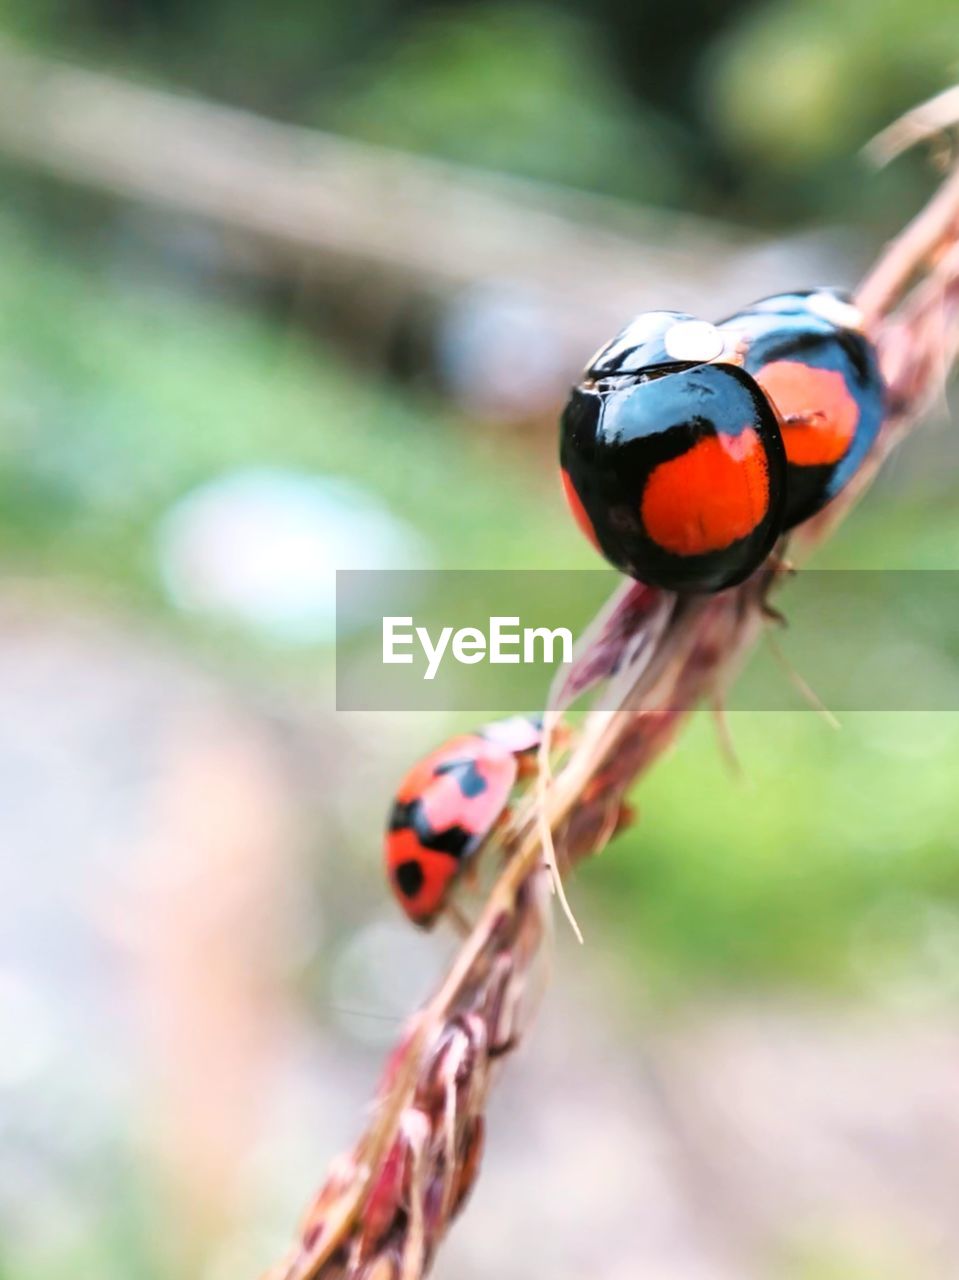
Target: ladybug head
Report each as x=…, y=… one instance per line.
x=655, y=341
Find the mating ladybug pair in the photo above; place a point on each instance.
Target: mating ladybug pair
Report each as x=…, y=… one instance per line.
x=688, y=449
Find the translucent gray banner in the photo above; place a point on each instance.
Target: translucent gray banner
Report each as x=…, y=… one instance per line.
x=491, y=641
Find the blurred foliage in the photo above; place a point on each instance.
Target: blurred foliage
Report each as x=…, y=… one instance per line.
x=749, y=110
x=833, y=859
x=827, y=75
x=797, y=89
x=119, y=396
x=516, y=90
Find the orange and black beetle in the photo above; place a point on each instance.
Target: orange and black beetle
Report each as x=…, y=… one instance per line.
x=808, y=354
x=689, y=448
x=446, y=807
x=672, y=458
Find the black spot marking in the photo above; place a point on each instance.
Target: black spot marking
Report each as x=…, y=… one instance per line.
x=456, y=841
x=471, y=782
x=401, y=815
x=409, y=878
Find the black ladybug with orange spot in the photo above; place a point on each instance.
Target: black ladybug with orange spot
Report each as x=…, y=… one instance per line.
x=820, y=372
x=689, y=448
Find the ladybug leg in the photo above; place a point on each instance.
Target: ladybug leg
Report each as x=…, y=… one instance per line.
x=503, y=827
x=470, y=874
x=561, y=735
x=772, y=614
x=620, y=815
x=626, y=817
x=615, y=816
x=727, y=745
x=806, y=691
x=527, y=765
x=781, y=568
x=501, y=823
x=501, y=1050
x=458, y=920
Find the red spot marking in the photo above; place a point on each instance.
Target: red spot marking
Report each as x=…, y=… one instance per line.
x=578, y=510
x=710, y=496
x=819, y=413
x=439, y=872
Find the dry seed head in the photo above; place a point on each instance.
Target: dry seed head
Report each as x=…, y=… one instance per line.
x=384, y=1210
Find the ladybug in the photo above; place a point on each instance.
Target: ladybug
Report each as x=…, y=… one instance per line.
x=809, y=355
x=446, y=807
x=689, y=448
x=672, y=456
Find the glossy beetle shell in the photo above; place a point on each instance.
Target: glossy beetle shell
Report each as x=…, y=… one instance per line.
x=639, y=348
x=675, y=471
x=445, y=808
x=823, y=378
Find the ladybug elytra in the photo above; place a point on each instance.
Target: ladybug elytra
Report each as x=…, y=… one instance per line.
x=689, y=448
x=673, y=461
x=820, y=371
x=446, y=807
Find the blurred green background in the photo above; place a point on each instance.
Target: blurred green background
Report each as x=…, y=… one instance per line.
x=169, y=392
